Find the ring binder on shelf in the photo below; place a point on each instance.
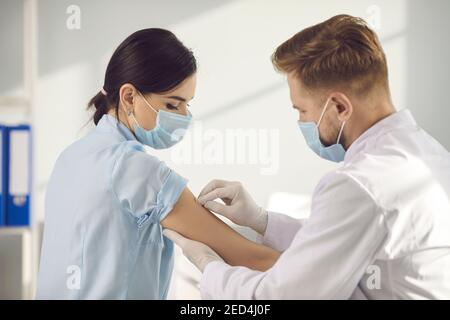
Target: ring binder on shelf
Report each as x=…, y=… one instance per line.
x=18, y=154
x=3, y=175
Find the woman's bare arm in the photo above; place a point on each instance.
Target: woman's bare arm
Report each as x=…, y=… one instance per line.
x=195, y=222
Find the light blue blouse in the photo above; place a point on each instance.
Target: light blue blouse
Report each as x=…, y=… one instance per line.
x=102, y=234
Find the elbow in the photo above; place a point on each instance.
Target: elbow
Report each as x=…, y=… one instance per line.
x=269, y=261
x=264, y=262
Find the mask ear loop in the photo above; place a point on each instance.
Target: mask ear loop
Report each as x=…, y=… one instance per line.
x=148, y=103
x=321, y=117
x=323, y=111
x=340, y=132
x=130, y=114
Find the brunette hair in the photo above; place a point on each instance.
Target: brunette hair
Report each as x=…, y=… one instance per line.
x=153, y=60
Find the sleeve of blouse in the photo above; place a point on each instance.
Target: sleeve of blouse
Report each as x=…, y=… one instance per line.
x=145, y=185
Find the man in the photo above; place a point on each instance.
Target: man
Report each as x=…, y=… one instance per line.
x=379, y=224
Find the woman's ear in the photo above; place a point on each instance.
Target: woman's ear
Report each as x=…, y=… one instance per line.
x=127, y=94
x=343, y=104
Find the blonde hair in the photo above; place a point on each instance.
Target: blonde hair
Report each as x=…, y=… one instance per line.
x=342, y=50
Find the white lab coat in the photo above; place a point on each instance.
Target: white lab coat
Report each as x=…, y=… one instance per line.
x=379, y=228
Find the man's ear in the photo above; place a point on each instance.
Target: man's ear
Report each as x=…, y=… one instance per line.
x=127, y=94
x=343, y=105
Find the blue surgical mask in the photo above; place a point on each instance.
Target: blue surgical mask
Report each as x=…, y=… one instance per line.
x=310, y=131
x=170, y=128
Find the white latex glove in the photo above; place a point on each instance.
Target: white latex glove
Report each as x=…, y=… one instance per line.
x=239, y=206
x=198, y=253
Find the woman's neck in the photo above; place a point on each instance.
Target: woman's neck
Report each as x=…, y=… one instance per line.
x=121, y=117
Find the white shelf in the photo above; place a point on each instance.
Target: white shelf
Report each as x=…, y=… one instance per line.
x=13, y=230
x=17, y=274
x=19, y=249
x=14, y=102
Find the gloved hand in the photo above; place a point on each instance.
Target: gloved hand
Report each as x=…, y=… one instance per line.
x=198, y=253
x=239, y=206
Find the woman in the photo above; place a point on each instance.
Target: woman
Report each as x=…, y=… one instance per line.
x=108, y=199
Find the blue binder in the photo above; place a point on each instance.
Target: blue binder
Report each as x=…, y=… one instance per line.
x=3, y=175
x=18, y=145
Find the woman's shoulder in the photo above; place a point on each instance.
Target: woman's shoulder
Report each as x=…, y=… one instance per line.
x=136, y=169
x=135, y=154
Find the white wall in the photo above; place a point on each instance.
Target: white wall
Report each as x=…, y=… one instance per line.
x=237, y=87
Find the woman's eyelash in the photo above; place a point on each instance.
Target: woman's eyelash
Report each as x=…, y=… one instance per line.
x=171, y=106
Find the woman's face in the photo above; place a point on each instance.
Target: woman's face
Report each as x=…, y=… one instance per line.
x=176, y=101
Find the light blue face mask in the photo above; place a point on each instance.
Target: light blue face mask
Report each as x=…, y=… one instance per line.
x=170, y=128
x=310, y=131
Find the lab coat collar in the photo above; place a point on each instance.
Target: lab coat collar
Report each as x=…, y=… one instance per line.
x=109, y=123
x=396, y=120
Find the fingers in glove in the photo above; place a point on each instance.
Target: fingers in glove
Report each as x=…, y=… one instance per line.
x=227, y=192
x=219, y=208
x=213, y=184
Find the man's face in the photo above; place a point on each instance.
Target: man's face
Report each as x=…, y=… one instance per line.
x=310, y=104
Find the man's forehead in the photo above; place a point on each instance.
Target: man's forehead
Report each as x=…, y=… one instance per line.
x=297, y=89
